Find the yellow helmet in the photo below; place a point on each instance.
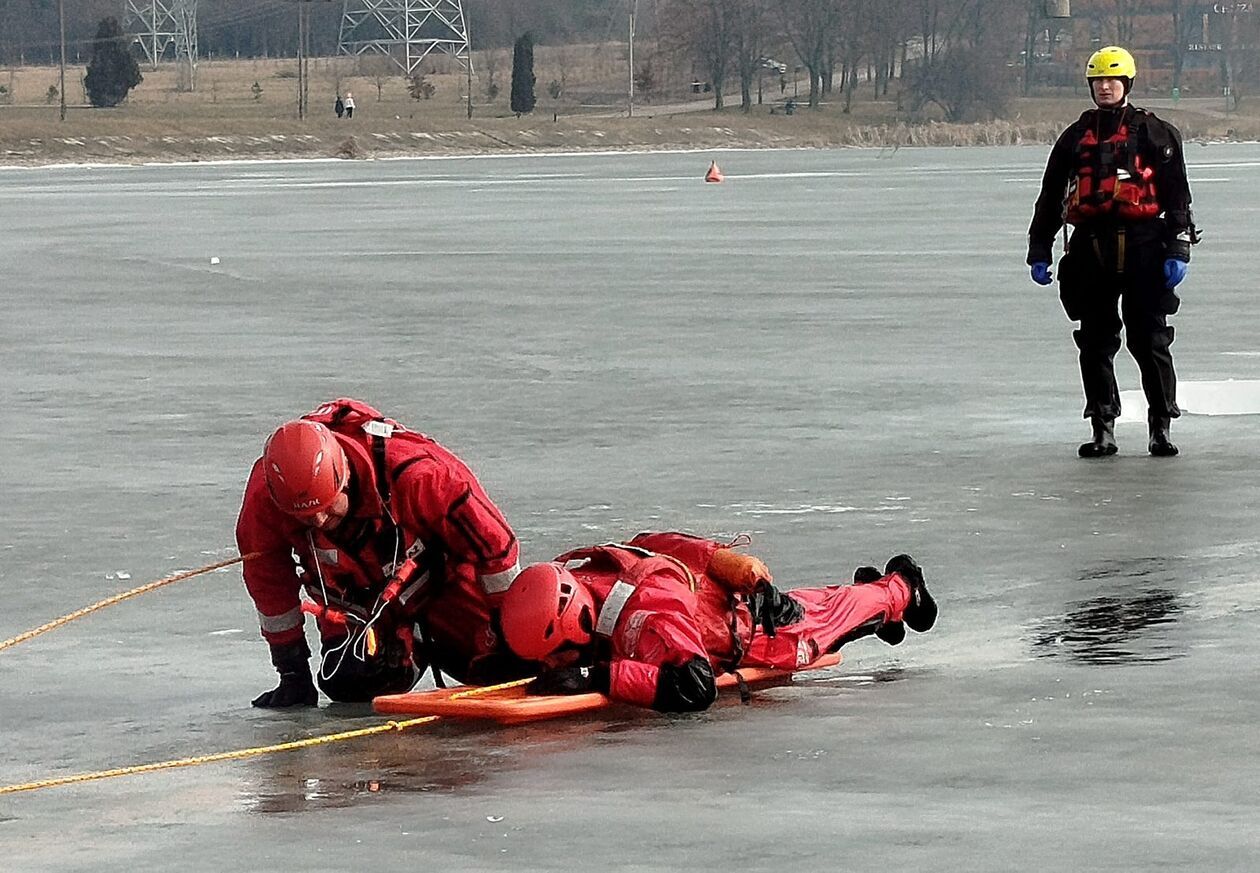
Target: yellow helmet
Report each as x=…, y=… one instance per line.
x=1111, y=62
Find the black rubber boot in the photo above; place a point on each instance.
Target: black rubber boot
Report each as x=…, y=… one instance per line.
x=1161, y=446
x=866, y=574
x=891, y=632
x=1104, y=441
x=920, y=613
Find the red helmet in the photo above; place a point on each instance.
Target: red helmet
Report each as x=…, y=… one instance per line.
x=305, y=466
x=544, y=608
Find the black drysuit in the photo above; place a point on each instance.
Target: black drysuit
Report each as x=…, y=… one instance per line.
x=1110, y=260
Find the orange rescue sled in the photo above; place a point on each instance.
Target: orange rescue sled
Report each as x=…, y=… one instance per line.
x=511, y=705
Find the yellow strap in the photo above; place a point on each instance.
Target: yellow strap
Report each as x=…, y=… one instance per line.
x=490, y=689
x=221, y=756
x=250, y=753
x=118, y=598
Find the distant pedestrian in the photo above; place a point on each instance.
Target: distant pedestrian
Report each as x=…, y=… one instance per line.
x=349, y=105
x=339, y=106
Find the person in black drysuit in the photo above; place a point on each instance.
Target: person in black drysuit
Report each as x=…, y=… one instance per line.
x=1118, y=175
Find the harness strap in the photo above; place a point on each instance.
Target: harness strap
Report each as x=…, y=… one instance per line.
x=380, y=430
x=426, y=644
x=737, y=645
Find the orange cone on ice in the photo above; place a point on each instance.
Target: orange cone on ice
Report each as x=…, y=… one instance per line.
x=714, y=174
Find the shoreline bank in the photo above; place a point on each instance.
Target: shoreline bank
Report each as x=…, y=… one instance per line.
x=29, y=140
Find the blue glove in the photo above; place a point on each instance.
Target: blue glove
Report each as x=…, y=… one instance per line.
x=1174, y=272
x=1041, y=273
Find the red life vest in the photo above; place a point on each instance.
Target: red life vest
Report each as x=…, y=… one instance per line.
x=382, y=550
x=724, y=619
x=629, y=564
x=1110, y=180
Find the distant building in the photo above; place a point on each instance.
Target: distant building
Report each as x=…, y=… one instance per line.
x=1209, y=43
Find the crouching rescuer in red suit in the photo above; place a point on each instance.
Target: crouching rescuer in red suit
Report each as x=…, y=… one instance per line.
x=400, y=550
x=652, y=621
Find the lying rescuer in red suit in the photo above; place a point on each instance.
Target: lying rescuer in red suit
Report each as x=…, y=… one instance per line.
x=393, y=533
x=650, y=622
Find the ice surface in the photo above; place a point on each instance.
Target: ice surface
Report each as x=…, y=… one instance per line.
x=839, y=352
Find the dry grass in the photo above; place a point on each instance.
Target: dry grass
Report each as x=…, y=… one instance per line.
x=223, y=119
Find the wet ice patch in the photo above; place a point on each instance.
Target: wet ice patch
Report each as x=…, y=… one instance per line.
x=1135, y=629
x=804, y=509
x=862, y=679
x=1228, y=397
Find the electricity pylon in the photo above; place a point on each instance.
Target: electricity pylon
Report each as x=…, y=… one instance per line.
x=162, y=25
x=407, y=31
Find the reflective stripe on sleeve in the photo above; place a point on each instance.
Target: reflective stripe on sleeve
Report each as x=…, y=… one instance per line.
x=497, y=583
x=611, y=610
x=274, y=624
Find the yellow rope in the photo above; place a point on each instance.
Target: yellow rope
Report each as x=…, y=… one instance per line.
x=250, y=753
x=221, y=756
x=487, y=689
x=118, y=598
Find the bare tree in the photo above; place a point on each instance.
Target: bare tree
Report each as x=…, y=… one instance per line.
x=380, y=68
x=889, y=35
x=857, y=40
x=749, y=37
x=564, y=61
x=491, y=62
x=1036, y=9
x=703, y=29
x=1124, y=15
x=1186, y=20
x=957, y=73
x=929, y=14
x=1240, y=65
x=810, y=25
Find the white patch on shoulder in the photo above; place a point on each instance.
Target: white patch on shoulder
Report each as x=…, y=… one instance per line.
x=611, y=610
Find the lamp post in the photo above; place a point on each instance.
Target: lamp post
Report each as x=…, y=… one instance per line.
x=61, y=20
x=634, y=10
x=301, y=31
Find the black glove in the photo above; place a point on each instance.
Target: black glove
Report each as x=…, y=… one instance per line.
x=293, y=663
x=689, y=687
x=771, y=608
x=1179, y=244
x=570, y=680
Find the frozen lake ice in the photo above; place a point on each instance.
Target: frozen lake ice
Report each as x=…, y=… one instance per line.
x=839, y=352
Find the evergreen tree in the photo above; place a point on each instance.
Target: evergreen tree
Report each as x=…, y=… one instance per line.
x=112, y=72
x=523, y=79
